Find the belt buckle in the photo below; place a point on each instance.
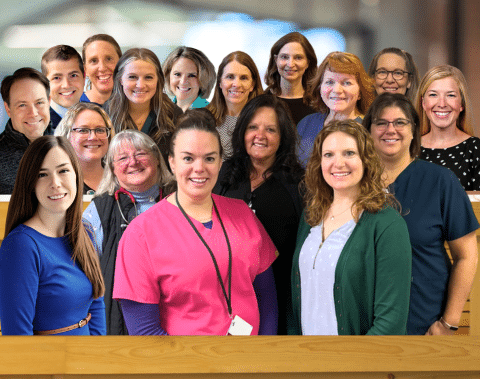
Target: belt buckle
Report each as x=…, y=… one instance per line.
x=82, y=323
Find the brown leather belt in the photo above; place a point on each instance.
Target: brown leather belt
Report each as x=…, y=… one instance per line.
x=79, y=324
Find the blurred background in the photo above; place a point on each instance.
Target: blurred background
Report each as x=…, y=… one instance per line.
x=433, y=31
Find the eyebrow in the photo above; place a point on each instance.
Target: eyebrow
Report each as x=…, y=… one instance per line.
x=60, y=165
x=26, y=101
x=212, y=153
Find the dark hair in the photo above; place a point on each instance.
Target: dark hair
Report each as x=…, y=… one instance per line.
x=397, y=100
x=272, y=77
x=22, y=73
x=205, y=68
x=286, y=159
x=61, y=53
x=319, y=196
x=24, y=203
x=160, y=103
x=343, y=63
x=413, y=76
x=218, y=106
x=104, y=38
x=195, y=119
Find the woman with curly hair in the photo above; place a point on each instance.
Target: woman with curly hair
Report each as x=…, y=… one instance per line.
x=352, y=265
x=264, y=172
x=138, y=101
x=291, y=67
x=341, y=90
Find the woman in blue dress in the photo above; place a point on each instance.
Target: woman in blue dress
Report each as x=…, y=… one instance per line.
x=50, y=278
x=436, y=209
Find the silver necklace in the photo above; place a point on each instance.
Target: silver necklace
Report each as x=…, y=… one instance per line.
x=333, y=216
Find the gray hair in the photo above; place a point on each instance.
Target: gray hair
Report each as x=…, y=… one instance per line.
x=64, y=128
x=140, y=141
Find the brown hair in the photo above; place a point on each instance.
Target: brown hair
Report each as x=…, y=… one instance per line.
x=24, y=203
x=218, y=106
x=22, y=73
x=319, y=197
x=396, y=100
x=104, y=38
x=61, y=53
x=118, y=105
x=343, y=63
x=205, y=68
x=272, y=77
x=465, y=119
x=413, y=76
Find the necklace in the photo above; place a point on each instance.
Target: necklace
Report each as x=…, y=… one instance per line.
x=333, y=216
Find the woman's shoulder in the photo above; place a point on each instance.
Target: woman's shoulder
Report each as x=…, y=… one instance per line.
x=313, y=118
x=383, y=217
x=230, y=203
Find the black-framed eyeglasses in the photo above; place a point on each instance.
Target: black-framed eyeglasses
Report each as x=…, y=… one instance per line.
x=398, y=124
x=396, y=74
x=99, y=132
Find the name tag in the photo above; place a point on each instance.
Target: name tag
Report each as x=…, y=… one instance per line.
x=239, y=327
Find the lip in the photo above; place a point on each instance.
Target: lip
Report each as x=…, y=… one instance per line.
x=390, y=89
x=33, y=123
x=442, y=114
x=184, y=89
x=104, y=78
x=198, y=181
x=57, y=197
x=341, y=174
x=68, y=93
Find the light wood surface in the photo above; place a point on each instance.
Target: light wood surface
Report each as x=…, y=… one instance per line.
x=157, y=357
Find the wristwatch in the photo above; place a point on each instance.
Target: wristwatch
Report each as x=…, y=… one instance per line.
x=447, y=325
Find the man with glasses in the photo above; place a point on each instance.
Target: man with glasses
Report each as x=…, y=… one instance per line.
x=26, y=98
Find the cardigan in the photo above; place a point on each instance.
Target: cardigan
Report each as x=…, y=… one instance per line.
x=372, y=276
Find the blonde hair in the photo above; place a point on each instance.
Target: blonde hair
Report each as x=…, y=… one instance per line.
x=465, y=119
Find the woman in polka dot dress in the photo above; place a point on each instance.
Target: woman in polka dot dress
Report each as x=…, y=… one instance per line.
x=446, y=125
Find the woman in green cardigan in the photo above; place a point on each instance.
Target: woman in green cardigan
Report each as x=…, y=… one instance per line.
x=352, y=264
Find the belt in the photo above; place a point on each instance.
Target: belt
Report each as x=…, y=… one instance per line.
x=79, y=324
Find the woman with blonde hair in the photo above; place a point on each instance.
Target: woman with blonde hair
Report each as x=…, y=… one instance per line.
x=341, y=90
x=446, y=124
x=50, y=278
x=89, y=129
x=138, y=101
x=238, y=81
x=292, y=66
x=352, y=264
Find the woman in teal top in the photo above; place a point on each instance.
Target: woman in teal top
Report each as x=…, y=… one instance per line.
x=189, y=77
x=352, y=265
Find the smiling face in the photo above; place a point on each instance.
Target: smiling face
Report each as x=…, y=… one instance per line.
x=29, y=108
x=340, y=93
x=392, y=142
x=236, y=84
x=66, y=81
x=195, y=163
x=100, y=60
x=136, y=170
x=139, y=81
x=56, y=185
x=262, y=136
x=291, y=62
x=442, y=103
x=391, y=62
x=342, y=167
x=89, y=147
x=184, y=82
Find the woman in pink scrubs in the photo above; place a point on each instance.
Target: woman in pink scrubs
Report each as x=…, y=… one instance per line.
x=196, y=263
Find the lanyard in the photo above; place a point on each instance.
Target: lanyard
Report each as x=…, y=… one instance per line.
x=228, y=298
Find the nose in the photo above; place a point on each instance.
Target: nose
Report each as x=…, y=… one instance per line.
x=55, y=181
x=236, y=81
x=339, y=161
x=32, y=110
x=441, y=101
x=337, y=87
x=183, y=79
x=290, y=61
x=389, y=77
x=65, y=82
x=390, y=128
x=198, y=165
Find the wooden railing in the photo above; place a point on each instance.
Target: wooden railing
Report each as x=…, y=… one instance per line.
x=123, y=357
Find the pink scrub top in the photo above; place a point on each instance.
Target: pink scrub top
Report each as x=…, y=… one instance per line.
x=161, y=260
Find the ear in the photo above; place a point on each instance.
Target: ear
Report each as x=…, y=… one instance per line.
x=172, y=164
x=423, y=103
x=7, y=109
x=409, y=84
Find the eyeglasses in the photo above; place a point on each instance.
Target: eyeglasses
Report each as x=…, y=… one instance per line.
x=99, y=132
x=124, y=160
x=398, y=124
x=397, y=74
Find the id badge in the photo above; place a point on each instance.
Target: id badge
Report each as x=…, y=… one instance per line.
x=239, y=327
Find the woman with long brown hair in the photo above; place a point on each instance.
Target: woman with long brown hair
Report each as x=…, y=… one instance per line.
x=50, y=278
x=352, y=265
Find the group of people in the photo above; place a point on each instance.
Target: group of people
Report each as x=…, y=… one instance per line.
x=309, y=208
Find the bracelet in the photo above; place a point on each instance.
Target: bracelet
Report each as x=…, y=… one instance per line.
x=447, y=325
